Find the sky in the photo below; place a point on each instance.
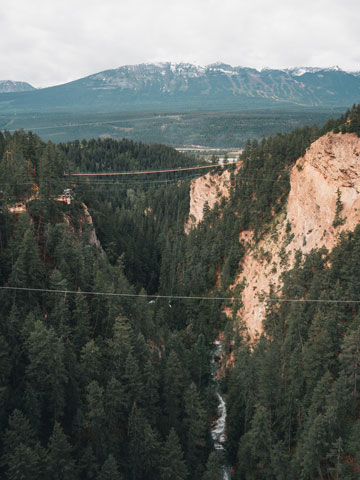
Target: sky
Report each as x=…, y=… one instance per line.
x=49, y=42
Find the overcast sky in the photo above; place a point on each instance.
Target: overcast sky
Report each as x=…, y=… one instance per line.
x=48, y=42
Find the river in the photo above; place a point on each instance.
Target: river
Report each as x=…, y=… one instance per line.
x=218, y=430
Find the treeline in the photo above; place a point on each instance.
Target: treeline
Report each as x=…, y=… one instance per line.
x=106, y=155
x=212, y=129
x=347, y=123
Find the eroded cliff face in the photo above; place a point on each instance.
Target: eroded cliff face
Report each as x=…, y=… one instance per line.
x=324, y=200
x=210, y=188
x=93, y=240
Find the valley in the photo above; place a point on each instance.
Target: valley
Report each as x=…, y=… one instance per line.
x=180, y=240
x=115, y=303
x=177, y=129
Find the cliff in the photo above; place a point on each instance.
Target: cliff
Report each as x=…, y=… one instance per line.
x=324, y=200
x=93, y=240
x=210, y=188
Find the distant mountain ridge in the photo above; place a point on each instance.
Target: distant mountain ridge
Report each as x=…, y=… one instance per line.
x=9, y=86
x=184, y=86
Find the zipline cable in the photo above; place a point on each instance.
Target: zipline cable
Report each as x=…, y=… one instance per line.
x=176, y=297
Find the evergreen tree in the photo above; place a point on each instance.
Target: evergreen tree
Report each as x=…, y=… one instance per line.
x=350, y=359
x=96, y=419
x=143, y=446
x=23, y=456
x=213, y=468
x=60, y=465
x=46, y=371
x=173, y=388
x=109, y=470
x=173, y=466
x=196, y=426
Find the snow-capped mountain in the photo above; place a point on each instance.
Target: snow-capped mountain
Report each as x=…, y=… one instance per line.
x=7, y=86
x=184, y=86
x=299, y=71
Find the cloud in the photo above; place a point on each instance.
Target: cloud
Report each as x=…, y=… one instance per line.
x=53, y=42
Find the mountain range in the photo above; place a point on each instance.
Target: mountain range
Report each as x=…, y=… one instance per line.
x=9, y=86
x=187, y=87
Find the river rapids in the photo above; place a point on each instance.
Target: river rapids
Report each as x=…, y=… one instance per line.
x=218, y=430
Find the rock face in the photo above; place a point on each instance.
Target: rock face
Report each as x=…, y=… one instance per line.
x=93, y=240
x=210, y=188
x=324, y=200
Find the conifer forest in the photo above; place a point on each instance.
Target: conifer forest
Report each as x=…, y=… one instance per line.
x=109, y=312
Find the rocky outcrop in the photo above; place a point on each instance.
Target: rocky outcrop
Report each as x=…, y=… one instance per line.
x=207, y=189
x=324, y=200
x=93, y=240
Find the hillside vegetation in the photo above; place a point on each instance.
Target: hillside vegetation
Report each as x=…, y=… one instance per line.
x=100, y=386
x=178, y=129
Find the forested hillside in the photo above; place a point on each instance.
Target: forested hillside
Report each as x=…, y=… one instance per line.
x=95, y=385
x=99, y=381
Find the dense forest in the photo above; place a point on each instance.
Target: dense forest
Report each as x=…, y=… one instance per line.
x=177, y=128
x=99, y=381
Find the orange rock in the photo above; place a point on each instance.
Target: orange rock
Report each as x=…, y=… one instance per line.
x=331, y=164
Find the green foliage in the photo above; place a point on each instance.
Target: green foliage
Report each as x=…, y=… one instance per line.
x=60, y=464
x=294, y=400
x=95, y=375
x=213, y=468
x=172, y=464
x=110, y=471
x=339, y=206
x=214, y=129
x=23, y=456
x=100, y=386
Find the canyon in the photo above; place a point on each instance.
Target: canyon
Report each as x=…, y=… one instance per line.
x=323, y=202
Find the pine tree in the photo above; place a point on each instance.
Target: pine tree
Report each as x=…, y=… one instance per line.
x=28, y=270
x=46, y=371
x=116, y=410
x=60, y=464
x=132, y=380
x=23, y=456
x=196, y=426
x=80, y=322
x=350, y=359
x=109, y=470
x=213, y=468
x=91, y=363
x=151, y=398
x=173, y=466
x=256, y=446
x=51, y=171
x=96, y=420
x=59, y=314
x=200, y=362
x=173, y=388
x=143, y=446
